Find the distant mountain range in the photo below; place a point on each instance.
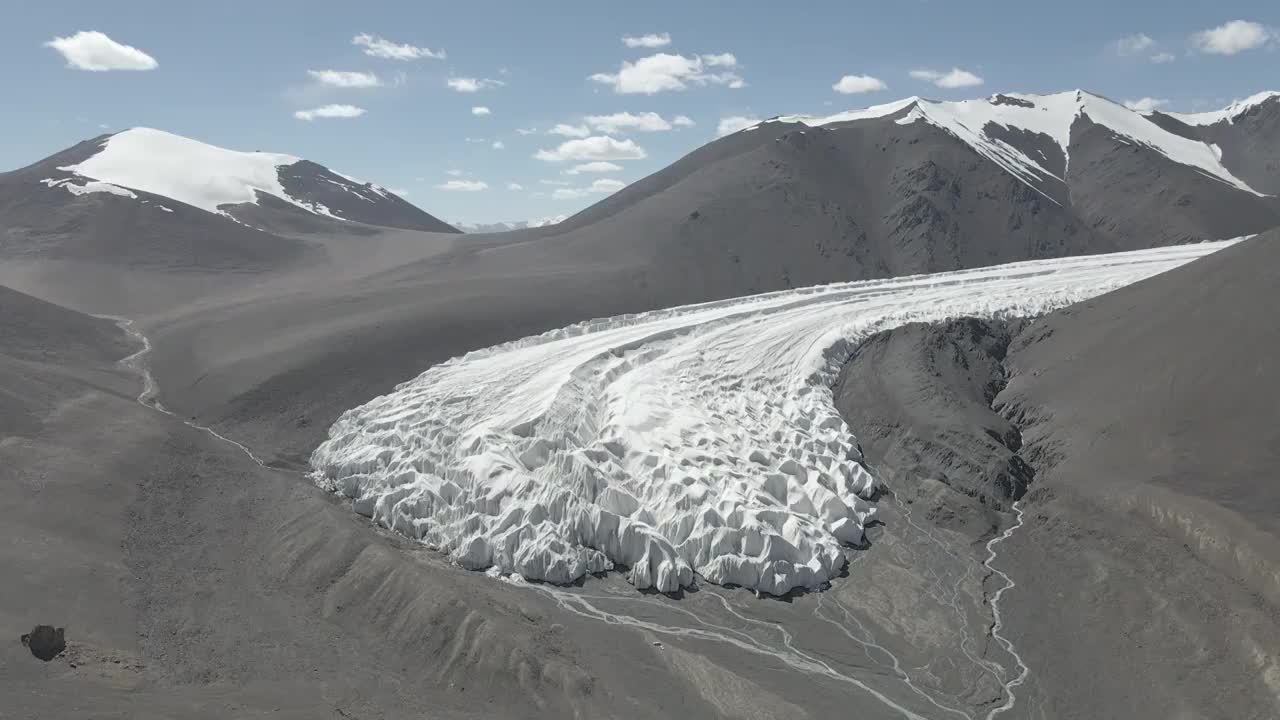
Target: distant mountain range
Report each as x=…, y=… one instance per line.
x=497, y=227
x=905, y=187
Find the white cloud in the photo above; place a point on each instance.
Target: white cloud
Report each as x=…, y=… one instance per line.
x=854, y=84
x=1161, y=58
x=682, y=121
x=453, y=173
x=956, y=78
x=480, y=111
x=1146, y=104
x=618, y=122
x=381, y=48
x=330, y=111
x=663, y=72
x=1133, y=44
x=601, y=186
x=600, y=147
x=342, y=79
x=475, y=140
x=526, y=131
x=598, y=166
x=726, y=60
x=514, y=186
x=464, y=186
x=557, y=183
x=735, y=123
x=573, y=131
x=1231, y=38
x=652, y=40
x=499, y=145
x=95, y=52
x=472, y=85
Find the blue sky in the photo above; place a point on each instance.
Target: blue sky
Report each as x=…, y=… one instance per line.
x=235, y=73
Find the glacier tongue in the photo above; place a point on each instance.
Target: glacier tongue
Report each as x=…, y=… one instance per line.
x=697, y=440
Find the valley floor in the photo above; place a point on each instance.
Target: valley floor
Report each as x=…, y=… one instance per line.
x=195, y=582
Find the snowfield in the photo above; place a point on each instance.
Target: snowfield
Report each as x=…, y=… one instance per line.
x=700, y=440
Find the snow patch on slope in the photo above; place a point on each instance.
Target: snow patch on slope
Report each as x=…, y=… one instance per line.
x=89, y=186
x=697, y=440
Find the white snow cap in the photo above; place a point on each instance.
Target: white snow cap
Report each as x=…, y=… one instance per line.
x=1048, y=115
x=188, y=171
x=701, y=439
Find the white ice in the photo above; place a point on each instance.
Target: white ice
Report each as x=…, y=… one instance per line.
x=700, y=439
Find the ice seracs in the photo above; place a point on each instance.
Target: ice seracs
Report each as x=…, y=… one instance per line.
x=696, y=441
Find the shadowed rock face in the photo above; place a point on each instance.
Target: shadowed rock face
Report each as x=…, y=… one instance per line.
x=918, y=398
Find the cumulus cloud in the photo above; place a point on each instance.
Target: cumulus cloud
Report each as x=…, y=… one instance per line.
x=1231, y=38
x=463, y=186
x=453, y=173
x=734, y=123
x=1133, y=44
x=603, y=186
x=514, y=186
x=330, y=111
x=480, y=111
x=664, y=72
x=682, y=121
x=472, y=85
x=343, y=79
x=499, y=145
x=652, y=40
x=1162, y=57
x=854, y=84
x=573, y=131
x=1146, y=104
x=623, y=121
x=94, y=51
x=600, y=147
x=382, y=48
x=526, y=131
x=956, y=78
x=726, y=60
x=598, y=166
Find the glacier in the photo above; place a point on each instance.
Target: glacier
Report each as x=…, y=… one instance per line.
x=698, y=441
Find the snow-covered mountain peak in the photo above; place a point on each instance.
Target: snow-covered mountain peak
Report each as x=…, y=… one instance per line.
x=189, y=171
x=1011, y=130
x=1228, y=114
x=218, y=180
